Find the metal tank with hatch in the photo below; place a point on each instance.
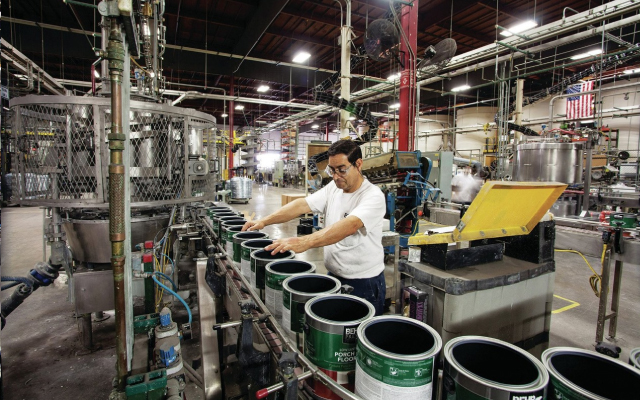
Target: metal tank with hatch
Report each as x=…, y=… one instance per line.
x=548, y=162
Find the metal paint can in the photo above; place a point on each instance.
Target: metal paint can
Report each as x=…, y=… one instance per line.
x=247, y=247
x=395, y=359
x=219, y=218
x=240, y=237
x=259, y=260
x=230, y=231
x=634, y=358
x=296, y=291
x=224, y=224
x=578, y=374
x=275, y=273
x=480, y=368
x=330, y=336
x=217, y=210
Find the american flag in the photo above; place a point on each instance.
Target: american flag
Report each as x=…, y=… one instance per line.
x=580, y=106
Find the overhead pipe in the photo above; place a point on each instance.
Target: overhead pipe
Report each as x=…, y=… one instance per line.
x=115, y=54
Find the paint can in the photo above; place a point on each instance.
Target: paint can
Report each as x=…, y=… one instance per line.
x=395, y=359
x=218, y=221
x=230, y=231
x=259, y=260
x=224, y=224
x=331, y=323
x=216, y=210
x=275, y=273
x=478, y=368
x=247, y=247
x=240, y=237
x=215, y=218
x=634, y=358
x=578, y=374
x=296, y=291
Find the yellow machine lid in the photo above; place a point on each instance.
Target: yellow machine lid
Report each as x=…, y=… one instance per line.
x=500, y=209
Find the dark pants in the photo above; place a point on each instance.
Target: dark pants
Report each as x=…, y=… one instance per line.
x=371, y=289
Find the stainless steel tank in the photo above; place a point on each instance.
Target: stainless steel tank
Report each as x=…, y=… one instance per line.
x=548, y=162
x=89, y=238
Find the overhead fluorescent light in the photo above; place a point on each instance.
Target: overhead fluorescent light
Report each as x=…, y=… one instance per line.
x=262, y=88
x=239, y=107
x=587, y=54
x=225, y=115
x=316, y=126
x=393, y=77
x=461, y=88
x=96, y=74
x=21, y=77
x=152, y=74
x=631, y=71
x=6, y=108
x=519, y=28
x=301, y=57
x=352, y=118
x=394, y=106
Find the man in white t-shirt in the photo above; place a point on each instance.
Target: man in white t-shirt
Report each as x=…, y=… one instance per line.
x=352, y=238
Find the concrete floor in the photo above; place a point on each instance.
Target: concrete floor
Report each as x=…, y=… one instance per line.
x=43, y=356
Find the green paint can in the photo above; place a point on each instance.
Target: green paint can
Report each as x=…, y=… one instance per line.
x=482, y=368
x=216, y=210
x=578, y=374
x=330, y=336
x=219, y=219
x=259, y=260
x=296, y=291
x=224, y=224
x=238, y=239
x=395, y=359
x=246, y=248
x=230, y=231
x=275, y=273
x=634, y=358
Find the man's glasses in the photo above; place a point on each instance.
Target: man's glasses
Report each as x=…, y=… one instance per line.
x=340, y=171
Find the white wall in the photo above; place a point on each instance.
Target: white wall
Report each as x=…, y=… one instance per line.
x=474, y=117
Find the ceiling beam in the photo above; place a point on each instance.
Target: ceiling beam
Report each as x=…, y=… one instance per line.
x=298, y=37
x=475, y=35
x=316, y=17
x=435, y=12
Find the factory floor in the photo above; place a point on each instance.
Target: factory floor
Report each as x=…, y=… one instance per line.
x=43, y=356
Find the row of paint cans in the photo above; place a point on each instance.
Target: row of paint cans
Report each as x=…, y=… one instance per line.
x=224, y=228
x=634, y=358
x=221, y=221
x=259, y=260
x=275, y=273
x=578, y=374
x=241, y=237
x=330, y=336
x=297, y=290
x=216, y=210
x=247, y=247
x=217, y=216
x=396, y=358
x=482, y=368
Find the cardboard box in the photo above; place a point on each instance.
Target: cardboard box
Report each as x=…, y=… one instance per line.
x=288, y=198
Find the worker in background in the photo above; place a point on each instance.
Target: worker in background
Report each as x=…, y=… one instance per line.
x=465, y=187
x=352, y=237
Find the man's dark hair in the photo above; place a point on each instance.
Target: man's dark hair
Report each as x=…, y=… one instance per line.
x=347, y=147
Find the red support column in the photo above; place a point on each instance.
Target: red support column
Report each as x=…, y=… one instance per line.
x=407, y=112
x=231, y=134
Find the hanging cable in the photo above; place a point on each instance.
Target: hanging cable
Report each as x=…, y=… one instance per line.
x=595, y=279
x=153, y=276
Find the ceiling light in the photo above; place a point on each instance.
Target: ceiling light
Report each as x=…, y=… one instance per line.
x=21, y=77
x=152, y=74
x=632, y=71
x=519, y=28
x=316, y=126
x=225, y=115
x=301, y=57
x=461, y=88
x=239, y=107
x=96, y=74
x=393, y=77
x=394, y=106
x=352, y=118
x=587, y=54
x=262, y=88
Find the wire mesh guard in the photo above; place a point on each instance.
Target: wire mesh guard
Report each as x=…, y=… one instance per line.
x=240, y=188
x=62, y=152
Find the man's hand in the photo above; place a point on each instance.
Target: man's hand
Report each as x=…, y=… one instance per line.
x=253, y=226
x=295, y=244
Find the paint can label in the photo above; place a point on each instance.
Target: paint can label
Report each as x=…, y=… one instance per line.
x=237, y=251
x=330, y=351
x=273, y=296
x=453, y=390
x=253, y=273
x=380, y=378
x=560, y=392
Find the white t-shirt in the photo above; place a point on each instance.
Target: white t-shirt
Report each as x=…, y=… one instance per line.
x=466, y=188
x=359, y=255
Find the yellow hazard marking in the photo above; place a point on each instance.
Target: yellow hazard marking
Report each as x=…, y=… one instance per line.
x=573, y=304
